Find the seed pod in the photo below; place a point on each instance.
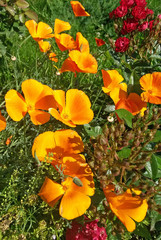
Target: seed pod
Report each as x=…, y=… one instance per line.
x=78, y=182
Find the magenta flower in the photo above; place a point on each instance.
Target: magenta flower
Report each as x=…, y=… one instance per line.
x=88, y=231
x=122, y=44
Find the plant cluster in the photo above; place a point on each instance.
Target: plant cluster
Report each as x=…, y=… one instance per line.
x=136, y=27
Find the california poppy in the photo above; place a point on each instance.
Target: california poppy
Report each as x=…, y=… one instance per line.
x=57, y=147
x=2, y=122
x=113, y=85
x=37, y=97
x=133, y=103
x=151, y=85
x=52, y=57
x=78, y=9
x=81, y=43
x=74, y=109
x=8, y=141
x=99, y=42
x=44, y=46
x=126, y=207
x=65, y=42
x=75, y=190
x=79, y=62
x=39, y=31
x=61, y=26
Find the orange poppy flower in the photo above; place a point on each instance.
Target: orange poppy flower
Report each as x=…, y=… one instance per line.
x=57, y=147
x=8, y=141
x=65, y=42
x=61, y=26
x=99, y=42
x=132, y=103
x=78, y=9
x=79, y=62
x=126, y=207
x=82, y=43
x=151, y=85
x=52, y=57
x=39, y=31
x=2, y=122
x=44, y=46
x=37, y=97
x=113, y=86
x=73, y=110
x=74, y=190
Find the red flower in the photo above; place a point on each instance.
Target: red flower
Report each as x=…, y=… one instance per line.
x=122, y=44
x=99, y=42
x=149, y=11
x=128, y=3
x=142, y=27
x=120, y=11
x=141, y=3
x=151, y=24
x=139, y=12
x=90, y=231
x=129, y=25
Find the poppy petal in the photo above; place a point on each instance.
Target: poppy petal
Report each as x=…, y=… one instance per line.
x=44, y=31
x=52, y=57
x=69, y=140
x=99, y=42
x=54, y=113
x=44, y=46
x=82, y=43
x=84, y=61
x=78, y=9
x=51, y=192
x=2, y=122
x=69, y=65
x=78, y=106
x=111, y=80
x=43, y=145
x=61, y=26
x=65, y=42
x=39, y=117
x=32, y=27
x=78, y=203
x=15, y=105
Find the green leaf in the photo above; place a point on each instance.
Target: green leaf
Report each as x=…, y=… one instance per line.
x=157, y=137
x=142, y=231
x=22, y=4
x=92, y=131
x=155, y=217
x=31, y=15
x=124, y=153
x=11, y=10
x=22, y=18
x=152, y=167
x=125, y=115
